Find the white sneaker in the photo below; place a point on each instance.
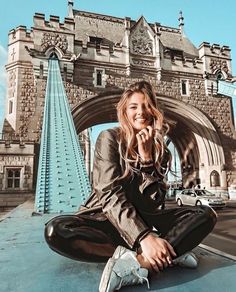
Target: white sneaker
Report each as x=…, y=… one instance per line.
x=122, y=269
x=187, y=260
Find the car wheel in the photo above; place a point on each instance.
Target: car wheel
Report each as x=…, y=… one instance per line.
x=198, y=203
x=179, y=203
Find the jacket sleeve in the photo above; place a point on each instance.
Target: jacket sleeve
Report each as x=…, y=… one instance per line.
x=111, y=191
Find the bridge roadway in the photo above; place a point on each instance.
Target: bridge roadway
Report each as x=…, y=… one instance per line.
x=28, y=265
x=223, y=237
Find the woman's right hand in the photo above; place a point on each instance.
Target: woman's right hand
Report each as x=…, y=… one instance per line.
x=157, y=251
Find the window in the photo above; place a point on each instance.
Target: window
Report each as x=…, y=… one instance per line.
x=95, y=40
x=176, y=53
x=65, y=72
x=99, y=75
x=10, y=109
x=219, y=76
x=184, y=87
x=13, y=178
x=41, y=70
x=215, y=179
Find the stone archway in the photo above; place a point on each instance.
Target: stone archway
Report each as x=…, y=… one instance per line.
x=197, y=142
x=195, y=137
x=96, y=110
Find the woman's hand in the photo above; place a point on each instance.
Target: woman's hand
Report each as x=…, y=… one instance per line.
x=157, y=251
x=145, y=143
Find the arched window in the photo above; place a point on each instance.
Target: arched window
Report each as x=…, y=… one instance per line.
x=98, y=75
x=53, y=55
x=215, y=179
x=219, y=75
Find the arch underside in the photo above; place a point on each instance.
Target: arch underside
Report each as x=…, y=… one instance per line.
x=192, y=133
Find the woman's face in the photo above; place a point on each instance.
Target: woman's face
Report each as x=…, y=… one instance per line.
x=137, y=112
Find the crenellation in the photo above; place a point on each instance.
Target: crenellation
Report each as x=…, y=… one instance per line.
x=39, y=20
x=54, y=21
x=54, y=18
x=206, y=49
x=69, y=24
x=20, y=33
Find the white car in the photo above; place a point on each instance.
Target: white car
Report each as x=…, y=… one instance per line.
x=198, y=197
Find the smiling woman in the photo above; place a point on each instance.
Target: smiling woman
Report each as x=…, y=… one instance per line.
x=123, y=220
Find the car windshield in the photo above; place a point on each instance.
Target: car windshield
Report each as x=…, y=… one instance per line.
x=203, y=193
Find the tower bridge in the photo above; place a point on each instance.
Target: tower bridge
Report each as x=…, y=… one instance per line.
x=95, y=70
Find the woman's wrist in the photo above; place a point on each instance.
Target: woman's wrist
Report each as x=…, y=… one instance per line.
x=147, y=235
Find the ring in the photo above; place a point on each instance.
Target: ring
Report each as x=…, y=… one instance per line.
x=140, y=134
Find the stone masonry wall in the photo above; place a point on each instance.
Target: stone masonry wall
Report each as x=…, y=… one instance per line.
x=27, y=102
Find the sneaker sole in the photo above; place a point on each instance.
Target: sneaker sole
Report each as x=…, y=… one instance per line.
x=108, y=269
x=106, y=275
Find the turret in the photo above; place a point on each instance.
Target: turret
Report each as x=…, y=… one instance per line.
x=70, y=8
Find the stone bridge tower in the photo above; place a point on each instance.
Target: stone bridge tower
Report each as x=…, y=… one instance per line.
x=100, y=56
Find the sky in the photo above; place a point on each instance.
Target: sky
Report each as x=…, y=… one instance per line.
x=212, y=21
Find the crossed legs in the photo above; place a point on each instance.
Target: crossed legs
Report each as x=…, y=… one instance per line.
x=82, y=238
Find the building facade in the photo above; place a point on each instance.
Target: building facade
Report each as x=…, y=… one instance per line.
x=99, y=57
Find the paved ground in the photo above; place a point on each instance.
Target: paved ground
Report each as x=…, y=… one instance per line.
x=28, y=265
x=223, y=236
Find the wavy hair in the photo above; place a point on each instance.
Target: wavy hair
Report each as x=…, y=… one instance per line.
x=128, y=140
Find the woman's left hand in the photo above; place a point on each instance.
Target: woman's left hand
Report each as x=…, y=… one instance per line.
x=145, y=143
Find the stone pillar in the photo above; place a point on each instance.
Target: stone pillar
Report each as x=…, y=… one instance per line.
x=126, y=45
x=87, y=152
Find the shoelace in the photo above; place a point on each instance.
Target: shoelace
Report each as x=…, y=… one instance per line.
x=135, y=273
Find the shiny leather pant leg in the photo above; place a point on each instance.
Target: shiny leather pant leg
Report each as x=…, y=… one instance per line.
x=184, y=228
x=81, y=238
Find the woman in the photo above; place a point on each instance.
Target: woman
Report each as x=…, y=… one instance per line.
x=123, y=219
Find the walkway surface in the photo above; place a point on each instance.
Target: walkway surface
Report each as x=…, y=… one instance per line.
x=28, y=265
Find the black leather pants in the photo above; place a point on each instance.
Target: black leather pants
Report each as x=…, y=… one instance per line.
x=83, y=238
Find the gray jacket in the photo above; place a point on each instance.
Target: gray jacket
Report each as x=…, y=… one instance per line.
x=123, y=202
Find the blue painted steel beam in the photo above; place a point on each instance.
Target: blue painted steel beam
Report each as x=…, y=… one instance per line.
x=62, y=183
x=226, y=88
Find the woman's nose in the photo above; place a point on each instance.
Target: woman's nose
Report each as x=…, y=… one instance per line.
x=141, y=110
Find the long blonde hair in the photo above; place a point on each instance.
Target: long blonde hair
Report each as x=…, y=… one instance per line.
x=127, y=139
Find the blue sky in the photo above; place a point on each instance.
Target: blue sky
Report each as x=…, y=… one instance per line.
x=213, y=21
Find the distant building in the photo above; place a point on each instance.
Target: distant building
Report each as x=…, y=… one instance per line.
x=101, y=55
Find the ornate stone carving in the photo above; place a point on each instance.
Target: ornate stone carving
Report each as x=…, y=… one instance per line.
x=15, y=160
x=76, y=94
x=216, y=64
x=142, y=63
x=51, y=39
x=141, y=41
